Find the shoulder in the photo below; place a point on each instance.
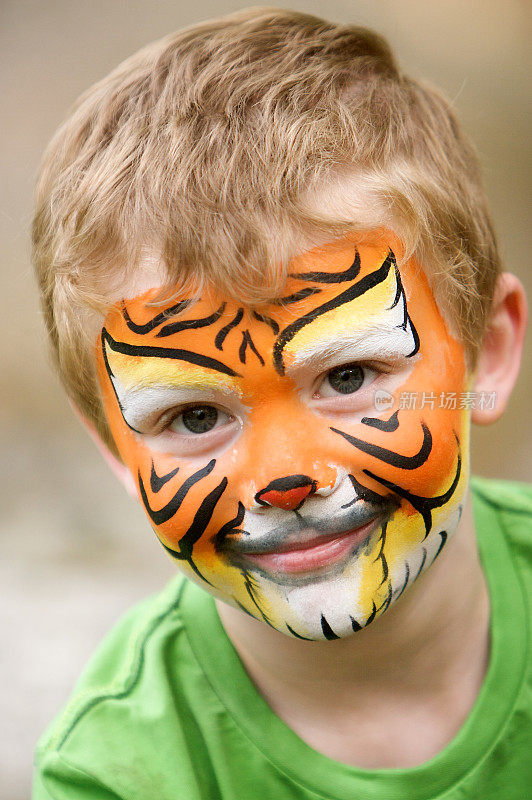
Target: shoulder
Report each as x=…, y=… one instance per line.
x=119, y=696
x=115, y=668
x=505, y=506
x=507, y=496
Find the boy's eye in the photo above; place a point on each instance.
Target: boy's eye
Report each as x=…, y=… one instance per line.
x=198, y=419
x=345, y=379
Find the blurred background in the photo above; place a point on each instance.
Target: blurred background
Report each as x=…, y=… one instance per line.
x=76, y=551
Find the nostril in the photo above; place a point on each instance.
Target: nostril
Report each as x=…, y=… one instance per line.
x=287, y=492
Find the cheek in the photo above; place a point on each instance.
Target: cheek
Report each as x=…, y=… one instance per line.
x=421, y=457
x=436, y=440
x=193, y=507
x=423, y=452
x=438, y=386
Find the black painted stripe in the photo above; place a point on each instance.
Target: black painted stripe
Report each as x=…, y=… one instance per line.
x=191, y=324
x=156, y=482
x=327, y=630
x=247, y=341
x=111, y=376
x=230, y=527
x=167, y=512
x=390, y=456
x=201, y=520
x=248, y=583
x=197, y=529
x=407, y=320
x=372, y=615
x=405, y=582
x=443, y=535
x=348, y=274
x=399, y=288
x=400, y=294
x=356, y=290
x=297, y=635
x=157, y=320
x=404, y=323
x=363, y=493
x=387, y=600
x=166, y=352
x=423, y=505
x=388, y=425
x=222, y=333
x=385, y=568
x=418, y=573
x=415, y=334
x=297, y=296
x=267, y=320
x=179, y=557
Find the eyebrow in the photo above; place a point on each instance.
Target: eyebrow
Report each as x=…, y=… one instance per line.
x=144, y=383
x=375, y=341
x=145, y=351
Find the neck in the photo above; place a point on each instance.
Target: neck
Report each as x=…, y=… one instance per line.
x=434, y=638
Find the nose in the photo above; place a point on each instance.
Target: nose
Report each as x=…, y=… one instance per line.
x=287, y=492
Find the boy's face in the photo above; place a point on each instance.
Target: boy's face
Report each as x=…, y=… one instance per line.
x=265, y=460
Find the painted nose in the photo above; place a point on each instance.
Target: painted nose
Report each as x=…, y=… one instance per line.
x=287, y=493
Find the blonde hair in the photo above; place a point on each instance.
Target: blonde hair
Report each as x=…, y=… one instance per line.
x=210, y=146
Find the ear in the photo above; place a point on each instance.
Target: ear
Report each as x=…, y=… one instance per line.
x=118, y=467
x=500, y=356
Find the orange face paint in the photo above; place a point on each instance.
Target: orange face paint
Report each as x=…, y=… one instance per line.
x=259, y=453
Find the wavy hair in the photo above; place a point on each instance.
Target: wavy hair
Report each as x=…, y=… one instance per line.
x=221, y=147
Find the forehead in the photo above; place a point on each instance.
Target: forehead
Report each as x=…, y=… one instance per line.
x=350, y=291
x=312, y=277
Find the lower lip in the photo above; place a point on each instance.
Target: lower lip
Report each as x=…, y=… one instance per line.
x=314, y=556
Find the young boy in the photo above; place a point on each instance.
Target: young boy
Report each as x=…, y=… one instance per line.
x=275, y=298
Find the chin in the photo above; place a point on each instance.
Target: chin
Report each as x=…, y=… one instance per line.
x=344, y=599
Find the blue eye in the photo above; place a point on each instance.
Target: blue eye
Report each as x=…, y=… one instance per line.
x=346, y=379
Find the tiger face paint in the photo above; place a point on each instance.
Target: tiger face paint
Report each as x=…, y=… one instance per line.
x=261, y=461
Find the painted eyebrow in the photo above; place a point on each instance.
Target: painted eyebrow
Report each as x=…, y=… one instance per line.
x=373, y=342
x=178, y=354
x=357, y=289
x=182, y=391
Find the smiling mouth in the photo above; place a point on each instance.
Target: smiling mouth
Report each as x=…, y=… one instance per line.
x=313, y=555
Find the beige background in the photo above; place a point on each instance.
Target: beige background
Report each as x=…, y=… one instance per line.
x=76, y=551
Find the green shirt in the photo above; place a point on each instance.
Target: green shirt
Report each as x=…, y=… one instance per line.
x=165, y=710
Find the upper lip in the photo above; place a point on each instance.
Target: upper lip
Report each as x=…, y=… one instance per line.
x=303, y=535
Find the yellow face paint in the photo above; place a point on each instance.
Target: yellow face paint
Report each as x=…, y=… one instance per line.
x=261, y=459
x=140, y=372
x=148, y=373
x=355, y=315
